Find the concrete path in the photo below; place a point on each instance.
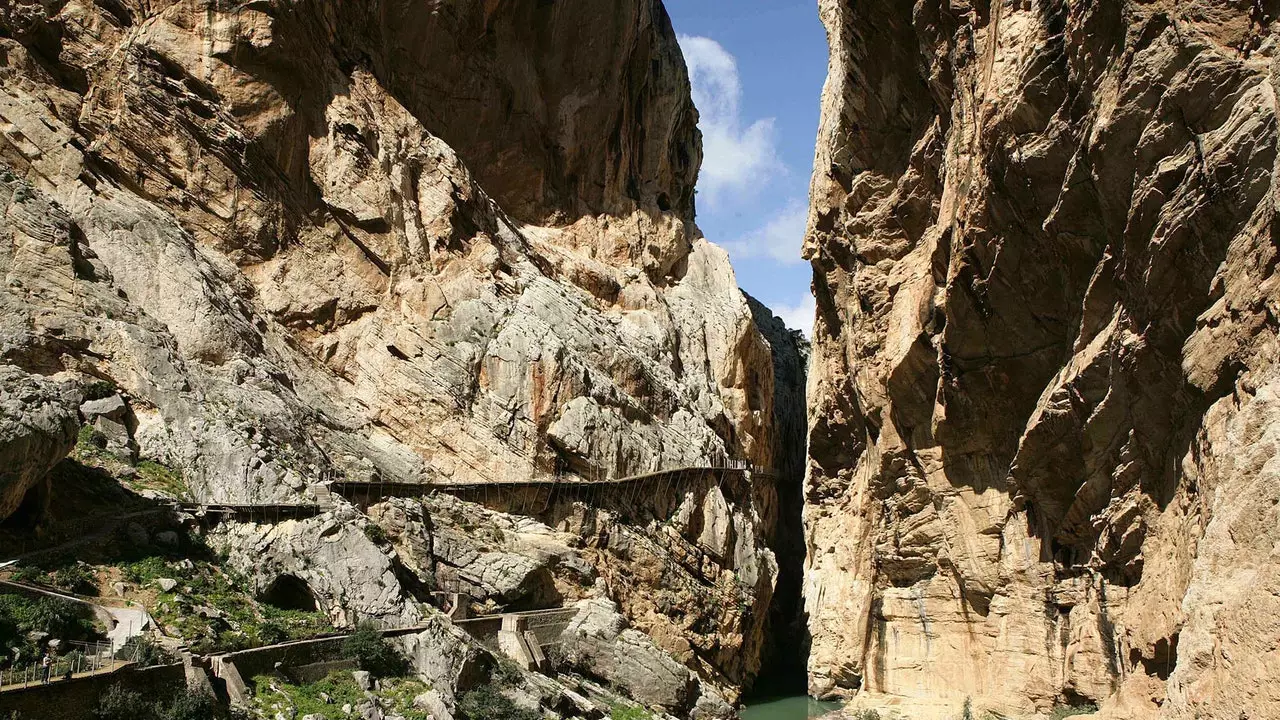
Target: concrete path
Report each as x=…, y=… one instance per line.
x=122, y=623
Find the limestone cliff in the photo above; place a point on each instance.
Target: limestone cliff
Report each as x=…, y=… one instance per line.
x=1042, y=449
x=399, y=241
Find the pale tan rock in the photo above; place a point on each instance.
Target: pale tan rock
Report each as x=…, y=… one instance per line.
x=402, y=241
x=1043, y=240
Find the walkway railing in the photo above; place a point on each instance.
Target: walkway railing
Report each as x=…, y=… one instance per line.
x=83, y=660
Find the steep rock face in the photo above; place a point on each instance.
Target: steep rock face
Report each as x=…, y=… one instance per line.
x=402, y=241
x=1042, y=464
x=38, y=426
x=307, y=240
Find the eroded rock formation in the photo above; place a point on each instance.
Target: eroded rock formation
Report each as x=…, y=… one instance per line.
x=1043, y=464
x=393, y=241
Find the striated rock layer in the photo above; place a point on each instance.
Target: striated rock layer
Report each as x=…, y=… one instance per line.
x=1043, y=432
x=402, y=241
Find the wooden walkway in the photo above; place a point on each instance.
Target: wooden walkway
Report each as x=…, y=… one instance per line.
x=524, y=497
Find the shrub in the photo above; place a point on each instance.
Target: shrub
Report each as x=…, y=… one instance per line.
x=508, y=674
x=190, y=705
x=121, y=703
x=76, y=579
x=967, y=713
x=487, y=703
x=373, y=653
x=61, y=619
x=376, y=534
x=144, y=651
x=29, y=574
x=99, y=389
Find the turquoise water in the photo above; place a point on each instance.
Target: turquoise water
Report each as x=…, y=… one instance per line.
x=787, y=708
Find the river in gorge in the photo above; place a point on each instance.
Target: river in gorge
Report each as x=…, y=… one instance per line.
x=794, y=707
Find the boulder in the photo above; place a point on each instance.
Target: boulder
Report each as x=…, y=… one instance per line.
x=364, y=680
x=38, y=424
x=598, y=643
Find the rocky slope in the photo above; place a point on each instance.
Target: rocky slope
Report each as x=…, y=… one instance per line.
x=400, y=241
x=1043, y=459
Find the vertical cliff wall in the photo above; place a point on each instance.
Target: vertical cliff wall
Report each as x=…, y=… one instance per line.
x=1042, y=441
x=402, y=241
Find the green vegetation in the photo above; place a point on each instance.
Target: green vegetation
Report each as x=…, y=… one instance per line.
x=121, y=703
x=1066, y=711
x=90, y=451
x=237, y=621
x=488, y=703
x=508, y=673
x=76, y=578
x=99, y=389
x=144, y=651
x=967, y=713
x=152, y=475
x=326, y=697
x=373, y=653
x=866, y=714
x=89, y=444
x=62, y=619
x=376, y=534
x=629, y=712
x=212, y=609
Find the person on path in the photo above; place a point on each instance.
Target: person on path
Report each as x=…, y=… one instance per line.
x=46, y=665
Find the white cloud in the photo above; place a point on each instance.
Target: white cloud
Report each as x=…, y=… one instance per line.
x=798, y=316
x=735, y=159
x=779, y=239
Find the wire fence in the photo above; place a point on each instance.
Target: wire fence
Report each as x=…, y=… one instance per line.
x=81, y=660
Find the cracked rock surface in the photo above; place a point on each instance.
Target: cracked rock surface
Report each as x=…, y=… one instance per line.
x=1042, y=467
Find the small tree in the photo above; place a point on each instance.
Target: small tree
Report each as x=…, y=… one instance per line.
x=190, y=705
x=487, y=703
x=121, y=703
x=144, y=651
x=373, y=653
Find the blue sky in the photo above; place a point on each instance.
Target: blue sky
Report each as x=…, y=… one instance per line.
x=757, y=68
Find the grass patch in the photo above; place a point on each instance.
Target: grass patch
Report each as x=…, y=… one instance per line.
x=238, y=620
x=90, y=451
x=629, y=712
x=153, y=476
x=326, y=697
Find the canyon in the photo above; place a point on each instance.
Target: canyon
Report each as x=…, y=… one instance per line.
x=413, y=294
x=1042, y=446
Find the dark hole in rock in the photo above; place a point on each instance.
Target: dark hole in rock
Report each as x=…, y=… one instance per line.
x=29, y=512
x=288, y=592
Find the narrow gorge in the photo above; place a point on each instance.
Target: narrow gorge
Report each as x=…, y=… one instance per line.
x=365, y=359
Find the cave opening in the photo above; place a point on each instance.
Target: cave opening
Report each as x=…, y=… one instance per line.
x=30, y=511
x=289, y=592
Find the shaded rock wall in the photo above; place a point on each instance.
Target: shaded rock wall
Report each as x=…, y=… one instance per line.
x=786, y=648
x=1044, y=239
